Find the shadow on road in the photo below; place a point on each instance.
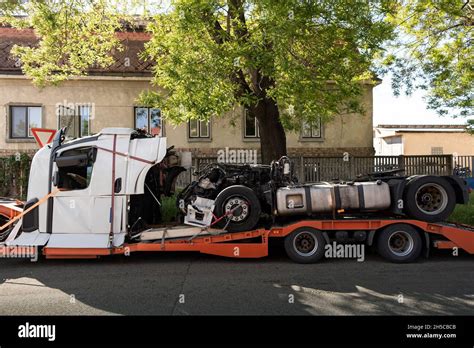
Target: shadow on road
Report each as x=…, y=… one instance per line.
x=186, y=283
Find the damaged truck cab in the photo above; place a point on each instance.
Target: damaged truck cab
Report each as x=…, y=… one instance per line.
x=99, y=187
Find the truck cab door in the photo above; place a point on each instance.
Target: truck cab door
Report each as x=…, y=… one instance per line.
x=72, y=175
x=82, y=209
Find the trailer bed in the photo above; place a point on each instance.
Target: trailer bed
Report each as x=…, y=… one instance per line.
x=254, y=244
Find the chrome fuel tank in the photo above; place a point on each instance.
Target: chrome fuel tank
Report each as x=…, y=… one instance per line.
x=327, y=197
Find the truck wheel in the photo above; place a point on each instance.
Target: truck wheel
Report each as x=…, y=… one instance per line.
x=400, y=243
x=243, y=206
x=305, y=245
x=430, y=199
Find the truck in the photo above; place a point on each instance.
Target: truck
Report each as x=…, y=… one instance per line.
x=102, y=195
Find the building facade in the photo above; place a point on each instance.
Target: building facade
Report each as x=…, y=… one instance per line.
x=394, y=140
x=108, y=98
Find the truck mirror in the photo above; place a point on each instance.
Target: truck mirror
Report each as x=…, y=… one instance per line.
x=59, y=137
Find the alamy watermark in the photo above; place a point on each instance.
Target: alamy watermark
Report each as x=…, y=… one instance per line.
x=345, y=251
x=19, y=252
x=237, y=156
x=84, y=110
x=28, y=330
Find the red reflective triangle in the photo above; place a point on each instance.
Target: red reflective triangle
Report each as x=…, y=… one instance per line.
x=43, y=136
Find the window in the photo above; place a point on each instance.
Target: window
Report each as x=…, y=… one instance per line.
x=22, y=119
x=75, y=168
x=251, y=128
x=149, y=119
x=393, y=140
x=436, y=150
x=199, y=129
x=76, y=119
x=311, y=130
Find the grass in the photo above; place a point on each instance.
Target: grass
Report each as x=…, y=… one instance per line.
x=169, y=209
x=464, y=213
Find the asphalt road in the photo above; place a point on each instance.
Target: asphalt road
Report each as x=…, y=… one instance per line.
x=155, y=284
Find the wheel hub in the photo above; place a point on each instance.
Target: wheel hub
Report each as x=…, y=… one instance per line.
x=305, y=244
x=431, y=198
x=237, y=209
x=401, y=243
x=426, y=198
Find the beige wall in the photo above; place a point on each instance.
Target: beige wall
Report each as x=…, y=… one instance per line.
x=415, y=143
x=351, y=133
x=114, y=99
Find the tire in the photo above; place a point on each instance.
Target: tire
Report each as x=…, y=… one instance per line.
x=305, y=245
x=430, y=199
x=399, y=243
x=244, y=218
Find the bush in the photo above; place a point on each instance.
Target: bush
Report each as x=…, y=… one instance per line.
x=464, y=213
x=169, y=211
x=14, y=174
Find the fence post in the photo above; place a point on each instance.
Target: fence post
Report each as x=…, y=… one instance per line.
x=302, y=178
x=401, y=163
x=194, y=168
x=450, y=165
x=472, y=166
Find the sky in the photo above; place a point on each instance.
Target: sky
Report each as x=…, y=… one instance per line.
x=389, y=109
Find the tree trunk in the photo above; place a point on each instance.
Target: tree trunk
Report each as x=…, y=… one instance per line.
x=272, y=134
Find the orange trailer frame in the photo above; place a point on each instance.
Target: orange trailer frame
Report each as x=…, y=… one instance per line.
x=235, y=244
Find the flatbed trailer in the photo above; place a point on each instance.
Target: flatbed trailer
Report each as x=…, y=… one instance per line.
x=255, y=244
x=99, y=196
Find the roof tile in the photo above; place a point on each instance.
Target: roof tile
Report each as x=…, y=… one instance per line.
x=127, y=61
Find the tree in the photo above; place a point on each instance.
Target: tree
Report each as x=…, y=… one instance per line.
x=286, y=61
x=435, y=52
x=73, y=36
x=470, y=126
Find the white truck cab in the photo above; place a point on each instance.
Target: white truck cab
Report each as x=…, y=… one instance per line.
x=98, y=184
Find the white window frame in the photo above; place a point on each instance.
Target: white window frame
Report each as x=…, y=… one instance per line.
x=27, y=119
x=437, y=150
x=314, y=135
x=162, y=132
x=200, y=124
x=77, y=112
x=257, y=128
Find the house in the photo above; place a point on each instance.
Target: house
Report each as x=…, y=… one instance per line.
x=397, y=140
x=108, y=97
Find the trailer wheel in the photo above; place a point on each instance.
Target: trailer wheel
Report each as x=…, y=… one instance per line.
x=242, y=206
x=399, y=243
x=430, y=199
x=305, y=245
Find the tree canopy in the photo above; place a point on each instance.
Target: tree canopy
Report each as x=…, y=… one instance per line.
x=73, y=36
x=213, y=55
x=288, y=61
x=434, y=51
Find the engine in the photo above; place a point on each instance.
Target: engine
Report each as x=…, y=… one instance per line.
x=216, y=177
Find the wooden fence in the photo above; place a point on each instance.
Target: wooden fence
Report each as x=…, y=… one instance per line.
x=14, y=170
x=313, y=169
